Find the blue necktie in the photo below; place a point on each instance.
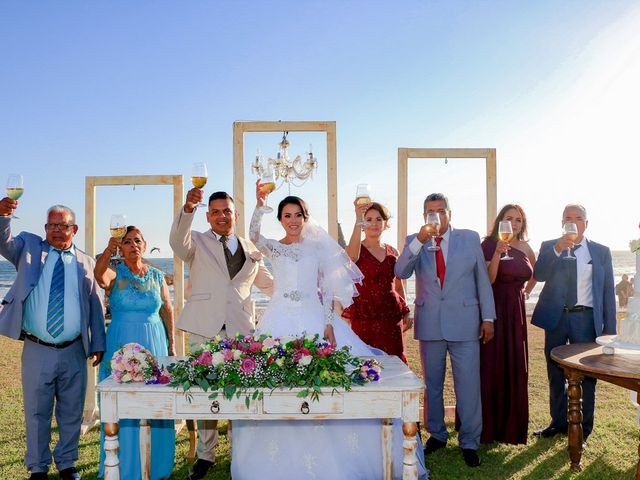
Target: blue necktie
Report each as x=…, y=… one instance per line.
x=55, y=311
x=572, y=283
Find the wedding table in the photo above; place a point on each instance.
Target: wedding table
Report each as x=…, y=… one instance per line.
x=395, y=395
x=587, y=359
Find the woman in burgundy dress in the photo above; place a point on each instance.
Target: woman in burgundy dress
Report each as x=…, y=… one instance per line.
x=379, y=315
x=504, y=365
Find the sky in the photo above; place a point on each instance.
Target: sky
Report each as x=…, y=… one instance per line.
x=150, y=87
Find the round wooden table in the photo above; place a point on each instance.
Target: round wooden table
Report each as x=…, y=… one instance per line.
x=586, y=359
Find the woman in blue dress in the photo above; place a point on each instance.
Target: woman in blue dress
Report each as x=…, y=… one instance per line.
x=141, y=312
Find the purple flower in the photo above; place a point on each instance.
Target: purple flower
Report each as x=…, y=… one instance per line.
x=247, y=366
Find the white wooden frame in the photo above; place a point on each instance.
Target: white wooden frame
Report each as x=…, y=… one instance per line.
x=240, y=128
x=404, y=154
x=90, y=415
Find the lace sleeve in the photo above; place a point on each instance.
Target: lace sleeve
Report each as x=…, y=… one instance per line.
x=326, y=297
x=263, y=243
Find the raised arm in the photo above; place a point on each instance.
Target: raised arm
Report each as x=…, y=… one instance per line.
x=103, y=273
x=10, y=246
x=353, y=249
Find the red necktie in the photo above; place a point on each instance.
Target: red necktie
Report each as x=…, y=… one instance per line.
x=441, y=268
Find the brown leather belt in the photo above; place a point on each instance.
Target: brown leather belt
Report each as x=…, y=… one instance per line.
x=577, y=308
x=35, y=339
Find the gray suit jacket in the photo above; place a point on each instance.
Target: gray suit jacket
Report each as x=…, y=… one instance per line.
x=455, y=312
x=28, y=252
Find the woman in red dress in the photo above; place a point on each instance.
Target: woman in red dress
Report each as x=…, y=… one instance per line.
x=379, y=315
x=504, y=361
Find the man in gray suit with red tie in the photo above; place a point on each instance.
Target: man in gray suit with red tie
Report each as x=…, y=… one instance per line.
x=454, y=312
x=577, y=304
x=55, y=306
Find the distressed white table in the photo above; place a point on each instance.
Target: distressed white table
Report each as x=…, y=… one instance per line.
x=395, y=395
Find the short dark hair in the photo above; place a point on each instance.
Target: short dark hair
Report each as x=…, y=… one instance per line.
x=293, y=200
x=133, y=228
x=434, y=197
x=220, y=196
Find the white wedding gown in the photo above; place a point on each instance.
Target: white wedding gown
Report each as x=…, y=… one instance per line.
x=331, y=449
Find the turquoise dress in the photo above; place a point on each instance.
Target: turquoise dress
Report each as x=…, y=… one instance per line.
x=135, y=302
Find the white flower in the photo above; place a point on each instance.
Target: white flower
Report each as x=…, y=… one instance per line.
x=310, y=337
x=280, y=361
x=217, y=358
x=305, y=360
x=237, y=354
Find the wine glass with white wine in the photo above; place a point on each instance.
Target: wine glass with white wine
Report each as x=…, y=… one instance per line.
x=433, y=226
x=199, y=177
x=505, y=233
x=267, y=185
x=363, y=197
x=15, y=187
x=570, y=231
x=118, y=229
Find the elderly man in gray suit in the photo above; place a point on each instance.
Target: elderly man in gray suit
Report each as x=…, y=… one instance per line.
x=55, y=306
x=454, y=311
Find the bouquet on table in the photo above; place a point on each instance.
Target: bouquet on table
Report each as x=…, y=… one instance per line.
x=236, y=365
x=134, y=363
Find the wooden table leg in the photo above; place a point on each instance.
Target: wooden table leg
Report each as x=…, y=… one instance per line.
x=410, y=445
x=111, y=461
x=574, y=417
x=145, y=449
x=387, y=448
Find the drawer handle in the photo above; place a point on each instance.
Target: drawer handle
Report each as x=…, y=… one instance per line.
x=215, y=407
x=305, y=408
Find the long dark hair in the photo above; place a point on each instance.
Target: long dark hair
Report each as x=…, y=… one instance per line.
x=293, y=200
x=493, y=235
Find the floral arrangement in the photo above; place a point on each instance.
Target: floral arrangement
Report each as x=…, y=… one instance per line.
x=634, y=245
x=134, y=363
x=237, y=365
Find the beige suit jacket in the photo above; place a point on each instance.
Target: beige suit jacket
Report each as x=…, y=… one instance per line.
x=215, y=298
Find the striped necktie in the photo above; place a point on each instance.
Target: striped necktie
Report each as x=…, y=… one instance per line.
x=55, y=311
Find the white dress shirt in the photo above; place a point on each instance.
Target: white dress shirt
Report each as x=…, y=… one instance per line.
x=232, y=242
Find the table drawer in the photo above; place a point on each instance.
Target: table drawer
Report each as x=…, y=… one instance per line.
x=288, y=404
x=200, y=403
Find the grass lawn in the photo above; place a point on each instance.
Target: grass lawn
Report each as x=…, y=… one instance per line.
x=612, y=451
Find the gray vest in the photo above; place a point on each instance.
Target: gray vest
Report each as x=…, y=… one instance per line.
x=236, y=261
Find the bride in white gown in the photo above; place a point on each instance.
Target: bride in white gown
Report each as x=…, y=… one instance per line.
x=310, y=272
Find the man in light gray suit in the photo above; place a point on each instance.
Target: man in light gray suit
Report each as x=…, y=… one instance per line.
x=454, y=310
x=55, y=306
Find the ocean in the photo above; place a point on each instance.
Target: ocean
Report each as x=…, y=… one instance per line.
x=623, y=262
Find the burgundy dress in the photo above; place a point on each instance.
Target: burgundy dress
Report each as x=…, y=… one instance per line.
x=376, y=314
x=504, y=360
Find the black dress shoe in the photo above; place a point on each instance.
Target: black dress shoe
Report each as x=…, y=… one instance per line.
x=69, y=474
x=39, y=476
x=433, y=444
x=471, y=457
x=550, y=432
x=199, y=469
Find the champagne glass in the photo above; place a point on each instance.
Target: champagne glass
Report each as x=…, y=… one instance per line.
x=363, y=197
x=433, y=225
x=118, y=229
x=505, y=233
x=570, y=230
x=15, y=187
x=199, y=177
x=267, y=185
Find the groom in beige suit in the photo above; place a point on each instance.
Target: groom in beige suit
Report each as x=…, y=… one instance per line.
x=222, y=269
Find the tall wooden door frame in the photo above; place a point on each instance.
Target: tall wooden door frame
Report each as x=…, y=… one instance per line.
x=90, y=414
x=404, y=154
x=240, y=128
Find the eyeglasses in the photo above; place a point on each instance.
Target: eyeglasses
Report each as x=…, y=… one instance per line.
x=58, y=226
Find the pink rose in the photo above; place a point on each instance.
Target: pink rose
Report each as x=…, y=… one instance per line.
x=247, y=366
x=204, y=359
x=227, y=354
x=255, y=347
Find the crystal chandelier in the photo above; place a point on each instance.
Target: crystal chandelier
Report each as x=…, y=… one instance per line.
x=283, y=170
